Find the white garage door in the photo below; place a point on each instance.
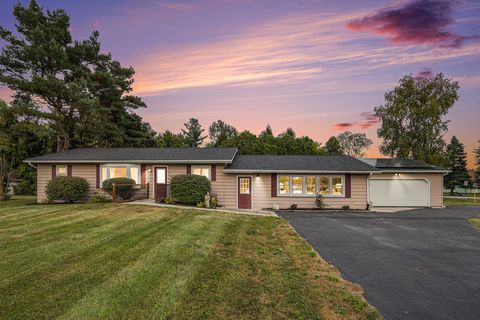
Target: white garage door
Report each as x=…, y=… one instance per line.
x=399, y=193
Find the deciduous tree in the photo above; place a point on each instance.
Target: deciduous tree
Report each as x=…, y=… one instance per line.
x=333, y=147
x=221, y=134
x=353, y=144
x=412, y=118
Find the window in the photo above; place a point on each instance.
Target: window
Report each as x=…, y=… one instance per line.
x=324, y=186
x=62, y=170
x=121, y=171
x=201, y=171
x=337, y=186
x=297, y=185
x=284, y=185
x=327, y=186
x=310, y=185
x=244, y=185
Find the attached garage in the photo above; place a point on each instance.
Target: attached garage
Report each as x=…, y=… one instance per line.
x=405, y=183
x=400, y=193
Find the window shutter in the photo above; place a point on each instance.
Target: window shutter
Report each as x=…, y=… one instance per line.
x=213, y=173
x=54, y=171
x=274, y=184
x=143, y=174
x=69, y=170
x=97, y=185
x=189, y=169
x=348, y=186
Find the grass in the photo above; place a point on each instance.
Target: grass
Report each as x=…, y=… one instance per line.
x=460, y=202
x=475, y=222
x=114, y=261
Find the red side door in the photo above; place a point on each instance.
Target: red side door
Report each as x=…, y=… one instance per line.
x=244, y=190
x=160, y=183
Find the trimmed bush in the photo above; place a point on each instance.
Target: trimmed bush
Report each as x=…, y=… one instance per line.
x=189, y=188
x=125, y=192
x=67, y=189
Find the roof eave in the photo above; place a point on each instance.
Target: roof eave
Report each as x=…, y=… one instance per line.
x=300, y=171
x=130, y=161
x=405, y=170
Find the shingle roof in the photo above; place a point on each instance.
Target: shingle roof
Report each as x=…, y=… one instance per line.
x=278, y=163
x=221, y=155
x=399, y=164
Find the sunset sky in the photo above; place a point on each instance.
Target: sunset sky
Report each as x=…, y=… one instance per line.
x=319, y=67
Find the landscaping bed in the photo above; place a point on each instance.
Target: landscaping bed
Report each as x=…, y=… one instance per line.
x=106, y=260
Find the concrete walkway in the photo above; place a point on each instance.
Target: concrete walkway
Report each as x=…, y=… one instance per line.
x=151, y=202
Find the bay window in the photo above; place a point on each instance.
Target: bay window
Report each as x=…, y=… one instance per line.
x=295, y=185
x=201, y=171
x=121, y=171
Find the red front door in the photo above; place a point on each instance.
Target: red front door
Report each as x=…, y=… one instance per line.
x=160, y=183
x=244, y=193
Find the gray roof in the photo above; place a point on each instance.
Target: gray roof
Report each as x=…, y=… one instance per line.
x=399, y=164
x=219, y=155
x=297, y=163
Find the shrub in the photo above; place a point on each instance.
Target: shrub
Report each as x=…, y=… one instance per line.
x=98, y=198
x=293, y=206
x=68, y=189
x=319, y=202
x=346, y=207
x=125, y=192
x=169, y=200
x=189, y=188
x=213, y=202
x=24, y=188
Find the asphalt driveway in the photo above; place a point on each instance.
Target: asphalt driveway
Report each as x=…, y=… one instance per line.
x=418, y=264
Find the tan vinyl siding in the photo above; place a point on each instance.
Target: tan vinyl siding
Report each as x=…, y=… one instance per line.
x=435, y=180
x=44, y=174
x=262, y=195
x=87, y=171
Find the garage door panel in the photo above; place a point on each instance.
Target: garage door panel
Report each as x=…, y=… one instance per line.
x=399, y=193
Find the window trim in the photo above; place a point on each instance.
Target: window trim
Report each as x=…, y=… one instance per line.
x=209, y=167
x=317, y=185
x=121, y=165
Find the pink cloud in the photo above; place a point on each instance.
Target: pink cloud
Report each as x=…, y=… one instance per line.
x=368, y=119
x=417, y=22
x=425, y=73
x=343, y=125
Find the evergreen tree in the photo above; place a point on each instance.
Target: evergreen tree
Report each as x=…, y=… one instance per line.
x=268, y=143
x=169, y=139
x=333, y=146
x=247, y=143
x=457, y=162
x=83, y=92
x=477, y=162
x=193, y=133
x=221, y=134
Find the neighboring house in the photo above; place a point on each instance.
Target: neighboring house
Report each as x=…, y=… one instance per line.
x=255, y=181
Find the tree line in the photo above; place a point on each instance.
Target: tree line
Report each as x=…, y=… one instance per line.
x=69, y=93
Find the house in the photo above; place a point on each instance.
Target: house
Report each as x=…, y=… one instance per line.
x=255, y=181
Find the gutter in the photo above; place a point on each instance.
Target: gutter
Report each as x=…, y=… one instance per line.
x=131, y=161
x=298, y=171
x=31, y=165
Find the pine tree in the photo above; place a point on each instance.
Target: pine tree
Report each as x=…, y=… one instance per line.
x=457, y=162
x=193, y=133
x=477, y=162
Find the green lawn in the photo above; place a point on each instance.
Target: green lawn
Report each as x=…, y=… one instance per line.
x=116, y=261
x=460, y=202
x=475, y=222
